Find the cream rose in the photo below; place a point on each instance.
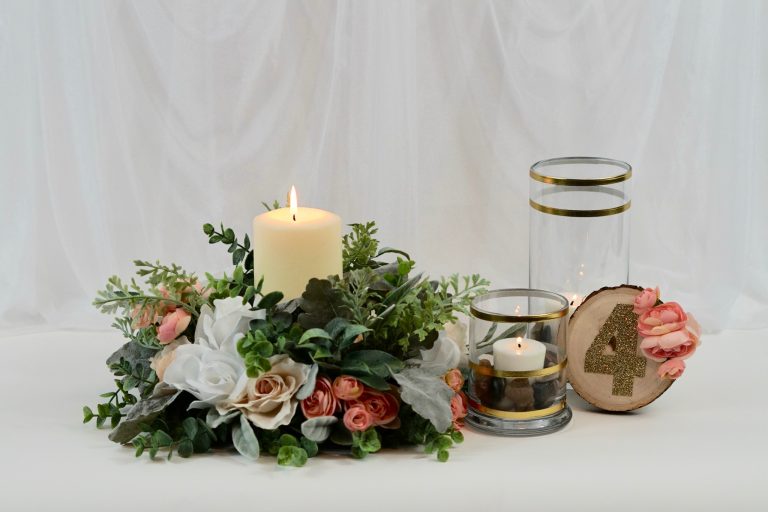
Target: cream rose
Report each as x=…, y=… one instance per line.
x=268, y=401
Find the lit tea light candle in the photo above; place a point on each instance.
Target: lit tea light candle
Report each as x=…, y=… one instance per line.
x=518, y=355
x=292, y=245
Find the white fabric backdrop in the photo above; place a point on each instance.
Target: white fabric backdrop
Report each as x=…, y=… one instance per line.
x=124, y=126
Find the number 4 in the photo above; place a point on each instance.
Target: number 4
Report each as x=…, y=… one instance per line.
x=620, y=333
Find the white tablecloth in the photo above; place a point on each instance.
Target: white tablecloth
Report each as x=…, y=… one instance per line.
x=702, y=446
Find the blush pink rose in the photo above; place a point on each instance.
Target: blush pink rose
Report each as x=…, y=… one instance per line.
x=454, y=379
x=173, y=324
x=646, y=300
x=677, y=344
x=383, y=407
x=143, y=316
x=347, y=388
x=321, y=402
x=672, y=369
x=458, y=409
x=662, y=319
x=357, y=418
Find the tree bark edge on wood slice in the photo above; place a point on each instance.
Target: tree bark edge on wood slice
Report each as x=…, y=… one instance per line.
x=605, y=364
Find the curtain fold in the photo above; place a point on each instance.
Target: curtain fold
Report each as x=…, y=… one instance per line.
x=124, y=126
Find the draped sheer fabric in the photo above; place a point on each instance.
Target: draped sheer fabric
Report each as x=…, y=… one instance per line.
x=124, y=126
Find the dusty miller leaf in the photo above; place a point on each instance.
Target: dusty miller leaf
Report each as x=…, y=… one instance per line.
x=309, y=385
x=428, y=394
x=144, y=412
x=318, y=429
x=244, y=439
x=133, y=353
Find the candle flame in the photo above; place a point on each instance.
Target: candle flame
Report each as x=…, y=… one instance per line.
x=293, y=202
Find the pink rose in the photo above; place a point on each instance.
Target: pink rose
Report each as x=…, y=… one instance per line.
x=662, y=319
x=357, y=418
x=646, y=300
x=173, y=324
x=143, y=316
x=321, y=402
x=458, y=409
x=672, y=369
x=383, y=407
x=677, y=344
x=454, y=379
x=347, y=388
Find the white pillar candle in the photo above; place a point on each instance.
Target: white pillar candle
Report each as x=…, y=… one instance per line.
x=518, y=355
x=292, y=245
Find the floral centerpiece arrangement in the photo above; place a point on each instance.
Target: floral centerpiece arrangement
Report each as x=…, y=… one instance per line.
x=359, y=362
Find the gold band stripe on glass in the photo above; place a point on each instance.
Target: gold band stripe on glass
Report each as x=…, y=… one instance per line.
x=490, y=372
x=580, y=213
x=525, y=415
x=580, y=182
x=478, y=312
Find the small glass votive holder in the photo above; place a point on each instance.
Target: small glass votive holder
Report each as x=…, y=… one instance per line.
x=517, y=362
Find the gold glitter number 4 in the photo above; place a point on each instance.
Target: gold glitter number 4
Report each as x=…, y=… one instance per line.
x=614, y=351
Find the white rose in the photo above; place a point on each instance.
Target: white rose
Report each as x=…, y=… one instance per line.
x=210, y=375
x=443, y=355
x=268, y=401
x=457, y=331
x=221, y=327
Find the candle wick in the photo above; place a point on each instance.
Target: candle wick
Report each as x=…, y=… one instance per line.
x=519, y=345
x=294, y=217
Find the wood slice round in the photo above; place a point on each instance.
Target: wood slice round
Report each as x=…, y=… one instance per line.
x=605, y=364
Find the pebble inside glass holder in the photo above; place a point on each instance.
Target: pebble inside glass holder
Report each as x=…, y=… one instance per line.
x=517, y=362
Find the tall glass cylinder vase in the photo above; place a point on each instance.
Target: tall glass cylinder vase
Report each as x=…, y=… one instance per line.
x=579, y=225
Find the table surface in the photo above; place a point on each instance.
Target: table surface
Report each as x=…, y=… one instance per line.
x=701, y=446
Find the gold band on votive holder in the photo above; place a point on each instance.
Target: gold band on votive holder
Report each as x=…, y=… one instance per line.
x=477, y=311
x=580, y=213
x=490, y=372
x=524, y=415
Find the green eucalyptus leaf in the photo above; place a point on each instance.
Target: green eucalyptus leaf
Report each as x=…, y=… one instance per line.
x=288, y=440
x=269, y=300
x=371, y=362
x=185, y=448
x=320, y=303
x=374, y=381
x=309, y=446
x=312, y=334
x=161, y=438
x=190, y=427
x=291, y=456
